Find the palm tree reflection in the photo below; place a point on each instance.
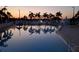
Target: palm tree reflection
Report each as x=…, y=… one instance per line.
x=5, y=37
x=31, y=30
x=45, y=30
x=51, y=30
x=25, y=27
x=38, y=30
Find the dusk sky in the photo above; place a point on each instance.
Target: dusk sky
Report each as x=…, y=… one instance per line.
x=24, y=10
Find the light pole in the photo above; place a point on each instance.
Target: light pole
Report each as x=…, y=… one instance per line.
x=19, y=13
x=73, y=11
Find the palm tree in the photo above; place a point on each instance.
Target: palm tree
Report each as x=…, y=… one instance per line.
x=31, y=15
x=45, y=15
x=59, y=14
x=9, y=15
x=76, y=20
x=57, y=18
x=4, y=8
x=51, y=15
x=4, y=14
x=37, y=15
x=25, y=17
x=77, y=14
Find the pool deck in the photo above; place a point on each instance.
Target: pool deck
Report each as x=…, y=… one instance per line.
x=71, y=35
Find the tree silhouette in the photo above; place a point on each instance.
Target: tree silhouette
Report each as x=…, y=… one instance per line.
x=25, y=17
x=37, y=15
x=2, y=12
x=57, y=18
x=3, y=15
x=45, y=15
x=31, y=15
x=59, y=14
x=77, y=14
x=76, y=20
x=51, y=15
x=9, y=14
x=4, y=9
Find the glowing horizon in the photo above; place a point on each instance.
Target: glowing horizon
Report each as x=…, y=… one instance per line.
x=24, y=10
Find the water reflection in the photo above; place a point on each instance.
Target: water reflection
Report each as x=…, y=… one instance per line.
x=29, y=40
x=37, y=29
x=5, y=37
x=25, y=28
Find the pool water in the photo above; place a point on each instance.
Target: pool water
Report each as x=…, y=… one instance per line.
x=29, y=38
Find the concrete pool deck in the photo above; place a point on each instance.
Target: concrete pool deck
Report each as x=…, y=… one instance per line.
x=71, y=35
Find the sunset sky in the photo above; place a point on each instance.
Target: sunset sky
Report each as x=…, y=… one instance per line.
x=24, y=10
